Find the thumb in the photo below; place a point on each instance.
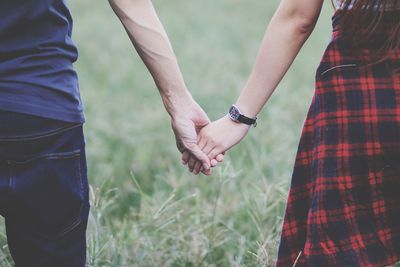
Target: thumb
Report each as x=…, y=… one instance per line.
x=201, y=156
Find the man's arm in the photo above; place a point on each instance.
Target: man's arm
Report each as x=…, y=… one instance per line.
x=152, y=44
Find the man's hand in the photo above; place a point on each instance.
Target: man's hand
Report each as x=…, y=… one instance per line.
x=186, y=124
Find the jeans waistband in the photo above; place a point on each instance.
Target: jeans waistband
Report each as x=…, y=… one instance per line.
x=20, y=127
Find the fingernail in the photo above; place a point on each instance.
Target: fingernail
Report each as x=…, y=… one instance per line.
x=205, y=166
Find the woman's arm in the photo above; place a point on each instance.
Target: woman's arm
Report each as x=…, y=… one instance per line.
x=288, y=30
x=152, y=44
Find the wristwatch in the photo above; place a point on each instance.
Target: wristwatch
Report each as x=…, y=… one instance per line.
x=237, y=116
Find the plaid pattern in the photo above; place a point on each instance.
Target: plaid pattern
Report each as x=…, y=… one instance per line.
x=344, y=202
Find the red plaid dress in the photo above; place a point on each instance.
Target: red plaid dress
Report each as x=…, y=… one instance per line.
x=344, y=202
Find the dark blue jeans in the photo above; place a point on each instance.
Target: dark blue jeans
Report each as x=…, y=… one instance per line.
x=43, y=190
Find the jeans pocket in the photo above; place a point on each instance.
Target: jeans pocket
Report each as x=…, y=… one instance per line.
x=49, y=192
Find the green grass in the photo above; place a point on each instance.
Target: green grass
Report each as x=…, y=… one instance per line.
x=147, y=210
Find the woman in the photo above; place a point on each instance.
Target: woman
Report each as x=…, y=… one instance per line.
x=344, y=199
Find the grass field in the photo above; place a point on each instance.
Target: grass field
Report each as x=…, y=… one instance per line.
x=147, y=210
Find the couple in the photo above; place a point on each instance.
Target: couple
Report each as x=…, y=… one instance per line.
x=343, y=204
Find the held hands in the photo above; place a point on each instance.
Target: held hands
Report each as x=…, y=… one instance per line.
x=186, y=124
x=214, y=139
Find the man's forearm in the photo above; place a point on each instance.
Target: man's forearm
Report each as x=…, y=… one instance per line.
x=152, y=44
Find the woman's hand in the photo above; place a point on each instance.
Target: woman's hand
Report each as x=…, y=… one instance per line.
x=215, y=139
x=219, y=136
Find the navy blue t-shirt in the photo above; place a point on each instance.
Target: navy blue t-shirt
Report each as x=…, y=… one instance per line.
x=36, y=60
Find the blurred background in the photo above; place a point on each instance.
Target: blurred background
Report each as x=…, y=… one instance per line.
x=147, y=209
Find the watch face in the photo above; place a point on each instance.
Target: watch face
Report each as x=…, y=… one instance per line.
x=234, y=113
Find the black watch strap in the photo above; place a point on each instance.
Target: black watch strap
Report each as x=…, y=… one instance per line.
x=246, y=120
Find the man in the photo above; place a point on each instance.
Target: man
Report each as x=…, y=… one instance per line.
x=43, y=181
